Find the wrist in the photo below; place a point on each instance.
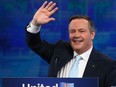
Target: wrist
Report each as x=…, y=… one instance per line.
x=32, y=28
x=34, y=22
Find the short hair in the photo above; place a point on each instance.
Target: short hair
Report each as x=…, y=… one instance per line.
x=91, y=24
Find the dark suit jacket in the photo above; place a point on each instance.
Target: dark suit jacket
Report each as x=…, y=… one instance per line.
x=58, y=54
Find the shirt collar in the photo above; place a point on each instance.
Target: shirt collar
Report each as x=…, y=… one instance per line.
x=85, y=55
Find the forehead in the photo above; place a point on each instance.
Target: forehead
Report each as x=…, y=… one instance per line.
x=78, y=23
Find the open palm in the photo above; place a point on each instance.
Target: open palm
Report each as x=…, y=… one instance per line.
x=42, y=16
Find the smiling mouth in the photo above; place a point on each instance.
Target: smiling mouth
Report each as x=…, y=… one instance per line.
x=77, y=40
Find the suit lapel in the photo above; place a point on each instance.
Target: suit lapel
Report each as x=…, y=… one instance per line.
x=65, y=58
x=91, y=65
x=68, y=55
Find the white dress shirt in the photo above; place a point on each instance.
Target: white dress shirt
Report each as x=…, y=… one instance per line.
x=33, y=29
x=64, y=72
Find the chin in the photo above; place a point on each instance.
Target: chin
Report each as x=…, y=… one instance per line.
x=76, y=49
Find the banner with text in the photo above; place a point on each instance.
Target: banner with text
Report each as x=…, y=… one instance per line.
x=49, y=82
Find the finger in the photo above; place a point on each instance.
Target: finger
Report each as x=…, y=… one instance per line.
x=51, y=19
x=49, y=4
x=44, y=4
x=53, y=11
x=51, y=7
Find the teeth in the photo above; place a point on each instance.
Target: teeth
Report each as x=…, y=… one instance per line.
x=77, y=40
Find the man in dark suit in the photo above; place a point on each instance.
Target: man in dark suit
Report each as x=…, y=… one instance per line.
x=61, y=55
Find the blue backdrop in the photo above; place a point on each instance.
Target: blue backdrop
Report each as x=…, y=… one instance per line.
x=17, y=60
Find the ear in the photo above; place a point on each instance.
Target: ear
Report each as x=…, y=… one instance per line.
x=92, y=35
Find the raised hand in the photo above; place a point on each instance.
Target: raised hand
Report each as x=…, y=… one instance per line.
x=42, y=16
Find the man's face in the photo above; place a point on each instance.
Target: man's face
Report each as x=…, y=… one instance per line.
x=80, y=35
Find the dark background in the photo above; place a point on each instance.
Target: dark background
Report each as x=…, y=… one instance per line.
x=18, y=60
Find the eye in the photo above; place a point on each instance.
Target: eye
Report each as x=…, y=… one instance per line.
x=82, y=30
x=72, y=31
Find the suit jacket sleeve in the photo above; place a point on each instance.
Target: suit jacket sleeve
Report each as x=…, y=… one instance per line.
x=42, y=48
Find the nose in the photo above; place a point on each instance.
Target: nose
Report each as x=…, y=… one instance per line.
x=77, y=34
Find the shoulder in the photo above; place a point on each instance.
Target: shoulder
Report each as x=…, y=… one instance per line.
x=102, y=58
x=63, y=47
x=62, y=43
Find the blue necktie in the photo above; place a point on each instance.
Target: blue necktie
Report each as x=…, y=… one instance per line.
x=74, y=69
